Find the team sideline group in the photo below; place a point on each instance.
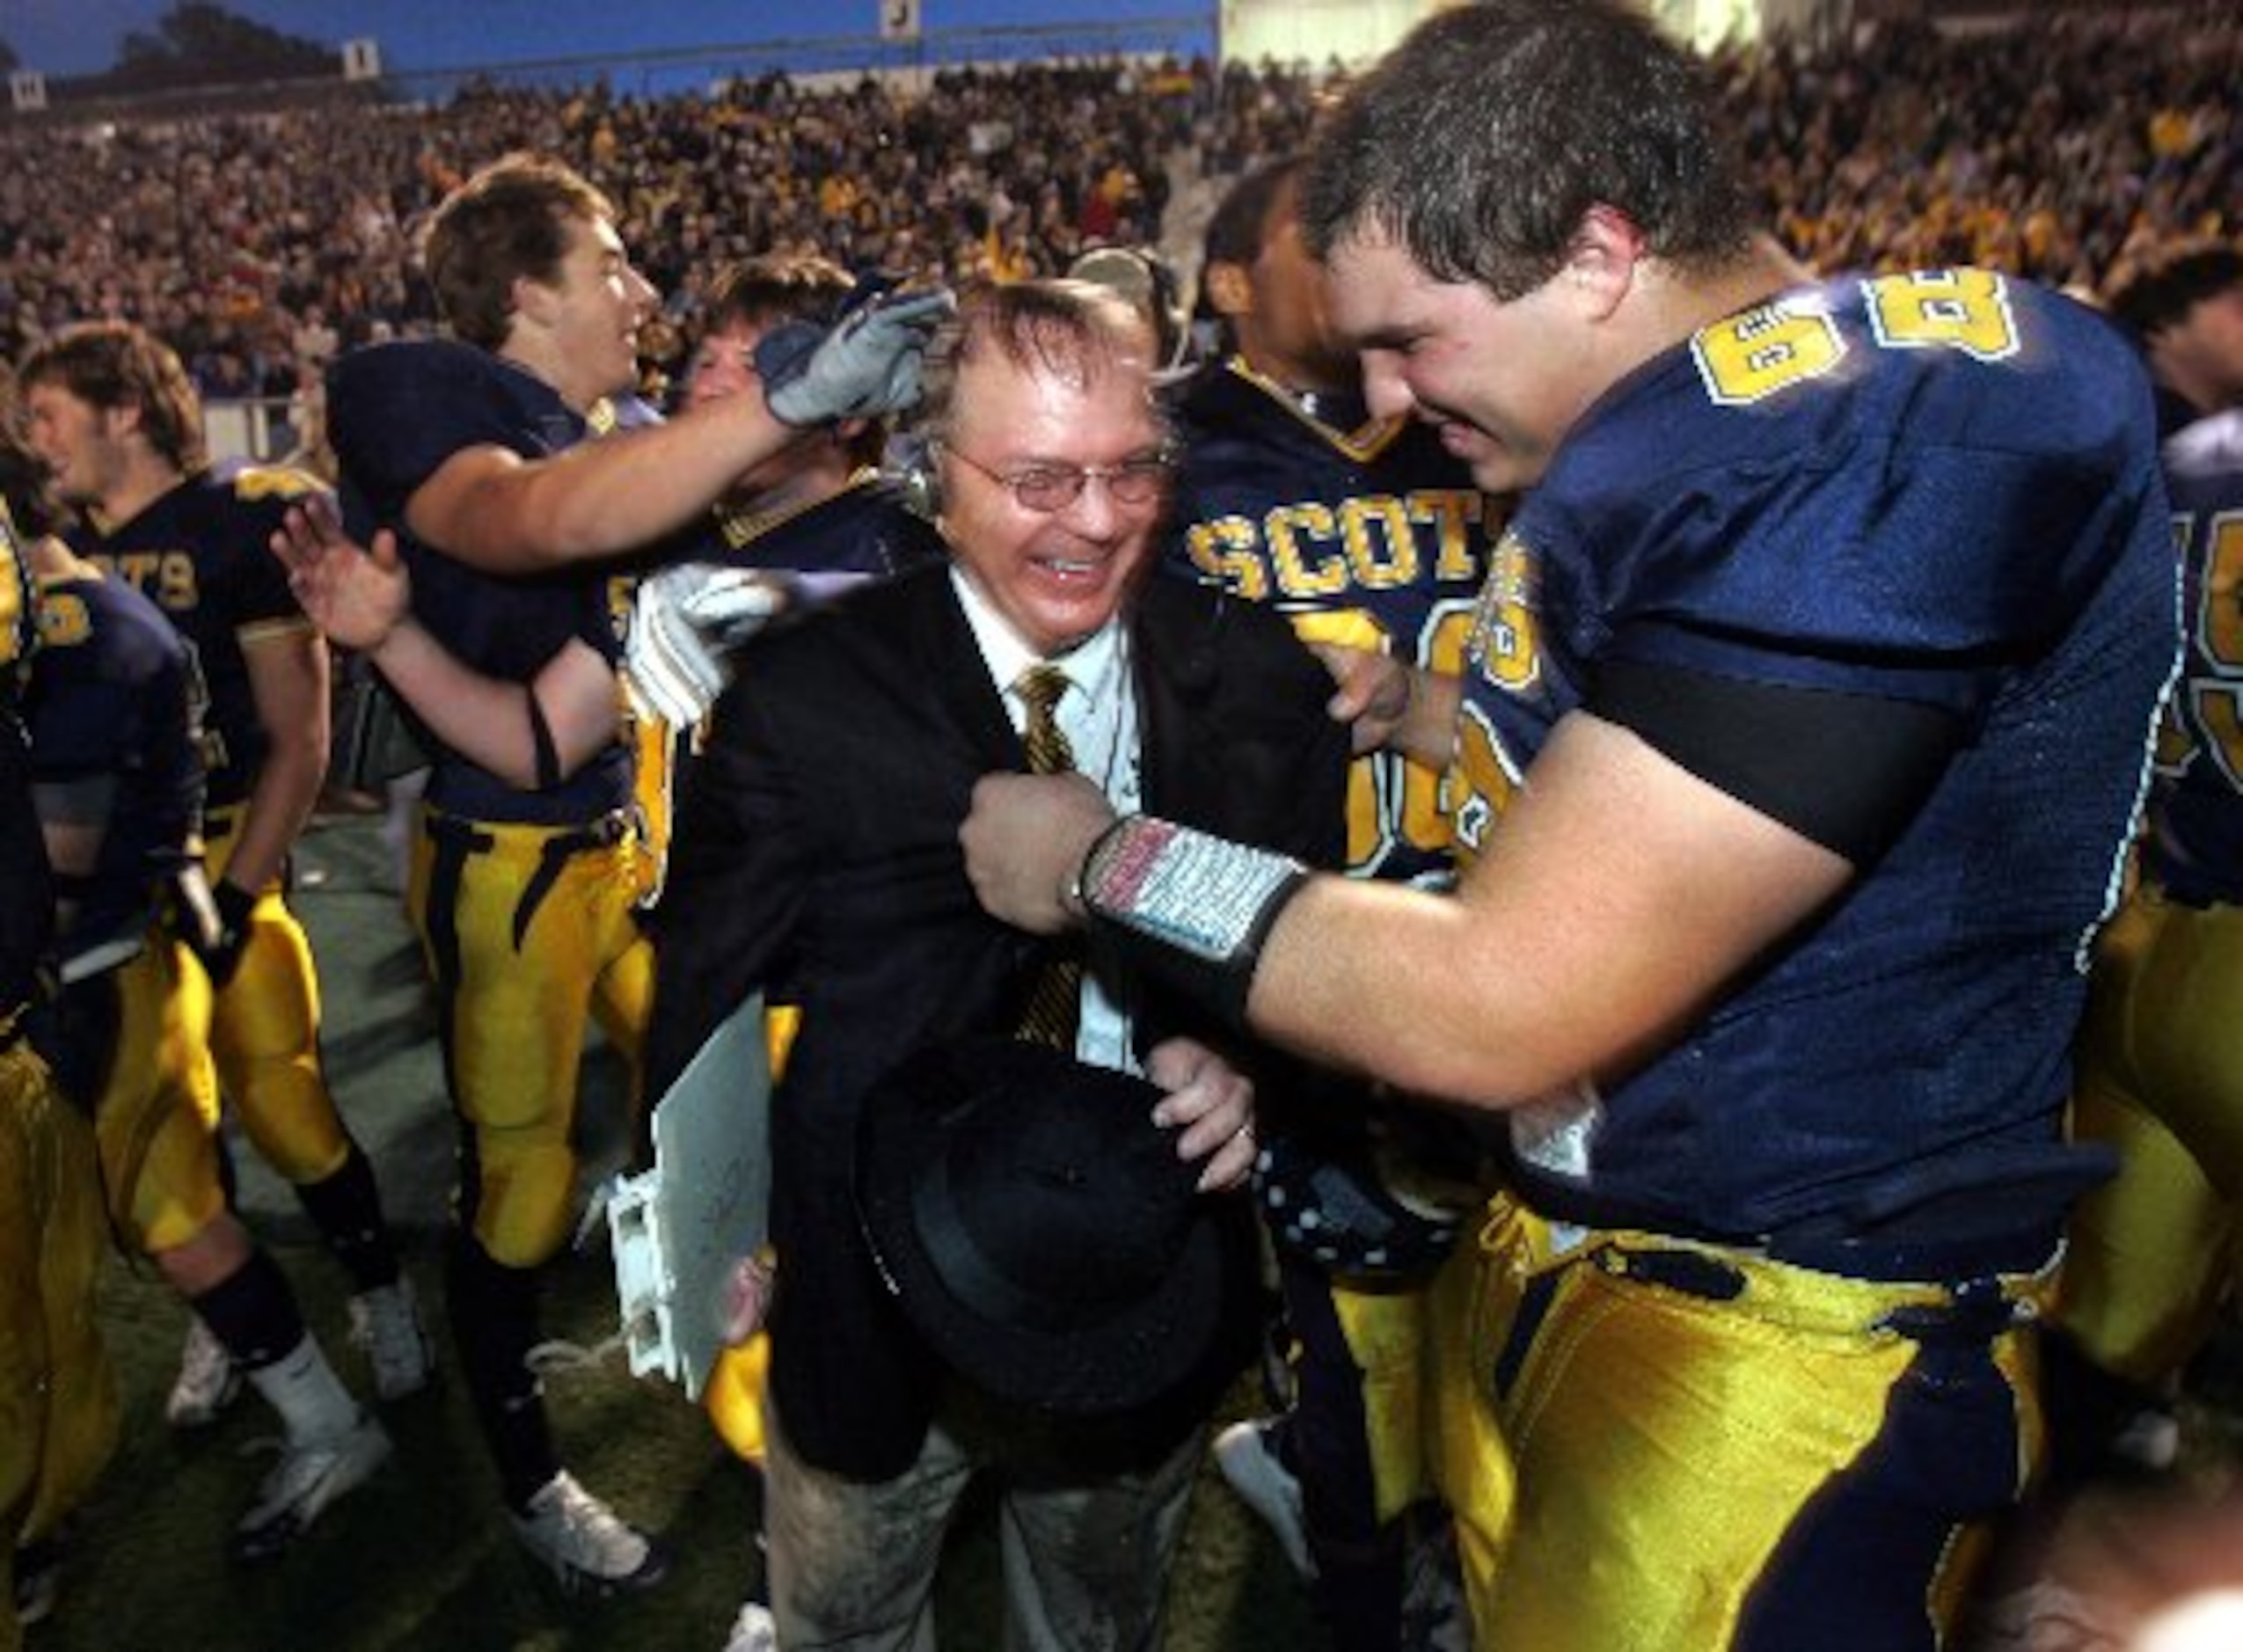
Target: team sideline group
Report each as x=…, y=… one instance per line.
x=1560, y=793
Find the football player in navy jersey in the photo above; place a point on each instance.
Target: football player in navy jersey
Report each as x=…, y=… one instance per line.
x=2153, y=1255
x=112, y=412
x=58, y=1399
x=1367, y=533
x=2183, y=305
x=473, y=451
x=1803, y=721
x=114, y=710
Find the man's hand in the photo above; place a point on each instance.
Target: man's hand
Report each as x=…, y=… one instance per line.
x=684, y=622
x=1390, y=704
x=356, y=595
x=1371, y=691
x=866, y=364
x=220, y=945
x=1211, y=1105
x=1024, y=840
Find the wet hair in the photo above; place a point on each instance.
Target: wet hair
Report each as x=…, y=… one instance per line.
x=509, y=221
x=109, y=365
x=1480, y=141
x=1074, y=330
x=2160, y=290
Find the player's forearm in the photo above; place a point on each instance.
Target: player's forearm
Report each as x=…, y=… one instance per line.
x=611, y=496
x=1370, y=978
x=279, y=805
x=484, y=719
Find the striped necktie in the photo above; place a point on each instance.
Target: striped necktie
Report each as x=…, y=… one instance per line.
x=1054, y=1007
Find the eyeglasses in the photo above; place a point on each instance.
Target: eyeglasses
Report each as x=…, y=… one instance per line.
x=1051, y=488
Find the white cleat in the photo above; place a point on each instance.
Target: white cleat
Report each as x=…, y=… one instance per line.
x=583, y=1544
x=754, y=1630
x=1245, y=1453
x=208, y=1382
x=310, y=1475
x=385, y=1323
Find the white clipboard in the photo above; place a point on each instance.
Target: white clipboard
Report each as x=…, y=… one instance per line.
x=678, y=1228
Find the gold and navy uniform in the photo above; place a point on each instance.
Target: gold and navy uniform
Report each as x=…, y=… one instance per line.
x=201, y=553
x=1365, y=533
x=2151, y=1255
x=58, y=1401
x=112, y=708
x=525, y=899
x=1817, y=1211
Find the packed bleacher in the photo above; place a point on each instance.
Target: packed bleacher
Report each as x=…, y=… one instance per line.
x=258, y=246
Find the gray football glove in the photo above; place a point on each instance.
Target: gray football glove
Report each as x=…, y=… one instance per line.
x=866, y=364
x=685, y=622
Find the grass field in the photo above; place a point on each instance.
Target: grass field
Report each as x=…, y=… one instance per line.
x=422, y=1558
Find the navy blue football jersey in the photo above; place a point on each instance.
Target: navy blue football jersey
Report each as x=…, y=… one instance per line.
x=1365, y=532
x=397, y=413
x=864, y=531
x=113, y=707
x=1935, y=488
x=203, y=553
x=2194, y=847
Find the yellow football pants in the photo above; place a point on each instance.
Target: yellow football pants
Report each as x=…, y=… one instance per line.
x=58, y=1399
x=265, y=1034
x=2160, y=1078
x=1651, y=1445
x=531, y=935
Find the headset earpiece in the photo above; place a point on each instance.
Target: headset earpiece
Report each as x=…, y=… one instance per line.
x=910, y=464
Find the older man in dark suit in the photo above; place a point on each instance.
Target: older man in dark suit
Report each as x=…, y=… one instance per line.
x=819, y=835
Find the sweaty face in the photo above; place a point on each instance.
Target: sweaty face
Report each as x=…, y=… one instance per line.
x=1500, y=382
x=597, y=306
x=1288, y=333
x=75, y=440
x=1055, y=576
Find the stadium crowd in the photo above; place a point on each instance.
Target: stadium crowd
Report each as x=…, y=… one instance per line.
x=257, y=245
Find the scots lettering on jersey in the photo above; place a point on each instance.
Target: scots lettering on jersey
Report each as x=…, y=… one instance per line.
x=166, y=578
x=1310, y=550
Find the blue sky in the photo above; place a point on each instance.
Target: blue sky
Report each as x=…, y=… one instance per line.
x=68, y=37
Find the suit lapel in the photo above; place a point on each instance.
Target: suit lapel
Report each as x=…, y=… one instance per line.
x=1176, y=670
x=949, y=663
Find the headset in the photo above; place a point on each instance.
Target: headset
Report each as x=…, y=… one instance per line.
x=1145, y=278
x=907, y=462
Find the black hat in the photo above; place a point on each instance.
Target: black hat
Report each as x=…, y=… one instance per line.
x=1038, y=1227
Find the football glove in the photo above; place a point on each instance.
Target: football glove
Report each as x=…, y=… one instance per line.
x=1334, y=1210
x=219, y=943
x=866, y=364
x=684, y=623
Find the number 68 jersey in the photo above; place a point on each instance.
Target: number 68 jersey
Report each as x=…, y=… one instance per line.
x=1940, y=488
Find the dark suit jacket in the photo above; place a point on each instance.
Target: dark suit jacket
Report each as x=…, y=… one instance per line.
x=817, y=844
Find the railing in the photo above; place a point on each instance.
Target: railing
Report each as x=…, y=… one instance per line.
x=259, y=429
